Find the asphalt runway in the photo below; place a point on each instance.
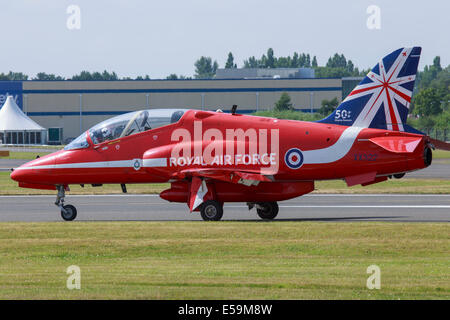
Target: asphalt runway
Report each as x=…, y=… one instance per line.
x=320, y=207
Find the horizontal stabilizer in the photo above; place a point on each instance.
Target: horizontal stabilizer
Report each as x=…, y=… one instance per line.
x=397, y=144
x=441, y=145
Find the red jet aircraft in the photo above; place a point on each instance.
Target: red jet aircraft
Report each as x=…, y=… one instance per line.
x=210, y=158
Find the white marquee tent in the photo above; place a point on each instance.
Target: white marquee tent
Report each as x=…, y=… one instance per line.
x=17, y=128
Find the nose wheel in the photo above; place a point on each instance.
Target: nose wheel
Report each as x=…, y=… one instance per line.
x=68, y=211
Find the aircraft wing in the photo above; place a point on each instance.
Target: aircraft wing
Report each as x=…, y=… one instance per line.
x=247, y=178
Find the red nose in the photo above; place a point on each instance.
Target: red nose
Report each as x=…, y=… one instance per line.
x=35, y=171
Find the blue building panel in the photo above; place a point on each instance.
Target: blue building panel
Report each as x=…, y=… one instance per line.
x=11, y=88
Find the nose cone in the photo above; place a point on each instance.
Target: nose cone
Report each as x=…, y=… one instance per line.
x=36, y=170
x=15, y=175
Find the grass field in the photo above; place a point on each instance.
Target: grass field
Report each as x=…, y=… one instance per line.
x=441, y=154
x=25, y=155
x=225, y=260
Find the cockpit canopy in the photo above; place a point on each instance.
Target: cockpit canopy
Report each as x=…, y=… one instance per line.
x=127, y=124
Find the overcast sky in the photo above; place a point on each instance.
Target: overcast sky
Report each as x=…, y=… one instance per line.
x=138, y=37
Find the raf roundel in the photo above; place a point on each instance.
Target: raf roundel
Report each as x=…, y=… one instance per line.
x=293, y=158
x=136, y=164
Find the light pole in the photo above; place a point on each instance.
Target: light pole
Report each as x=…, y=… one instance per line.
x=25, y=103
x=81, y=113
x=203, y=101
x=257, y=101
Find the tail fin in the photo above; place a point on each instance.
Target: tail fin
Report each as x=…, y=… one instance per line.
x=382, y=99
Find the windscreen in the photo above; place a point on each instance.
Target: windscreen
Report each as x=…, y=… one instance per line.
x=78, y=143
x=132, y=123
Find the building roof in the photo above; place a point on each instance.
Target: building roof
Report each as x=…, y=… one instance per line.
x=258, y=73
x=13, y=119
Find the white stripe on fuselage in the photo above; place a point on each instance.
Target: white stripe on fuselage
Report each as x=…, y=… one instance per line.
x=326, y=155
x=335, y=152
x=83, y=165
x=155, y=162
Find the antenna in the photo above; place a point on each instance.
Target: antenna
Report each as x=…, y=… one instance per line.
x=233, y=109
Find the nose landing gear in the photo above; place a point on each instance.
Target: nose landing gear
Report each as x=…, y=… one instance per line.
x=68, y=211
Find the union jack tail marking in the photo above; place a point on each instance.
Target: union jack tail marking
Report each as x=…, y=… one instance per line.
x=382, y=99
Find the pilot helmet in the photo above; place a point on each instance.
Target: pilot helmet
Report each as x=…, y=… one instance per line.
x=106, y=132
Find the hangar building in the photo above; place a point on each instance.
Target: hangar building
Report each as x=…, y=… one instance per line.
x=75, y=106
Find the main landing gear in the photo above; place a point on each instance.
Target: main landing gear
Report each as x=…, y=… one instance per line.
x=68, y=211
x=267, y=210
x=212, y=210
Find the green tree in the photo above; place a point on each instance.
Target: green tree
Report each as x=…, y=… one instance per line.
x=284, y=103
x=294, y=61
x=270, y=61
x=109, y=76
x=426, y=122
x=230, y=62
x=87, y=76
x=205, y=68
x=442, y=84
x=46, y=76
x=443, y=120
x=13, y=76
x=252, y=62
x=314, y=62
x=84, y=75
x=147, y=77
x=302, y=60
x=284, y=62
x=328, y=106
x=308, y=61
x=428, y=74
x=174, y=76
x=427, y=103
x=337, y=61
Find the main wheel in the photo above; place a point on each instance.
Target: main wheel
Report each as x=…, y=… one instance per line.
x=70, y=214
x=211, y=210
x=267, y=210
